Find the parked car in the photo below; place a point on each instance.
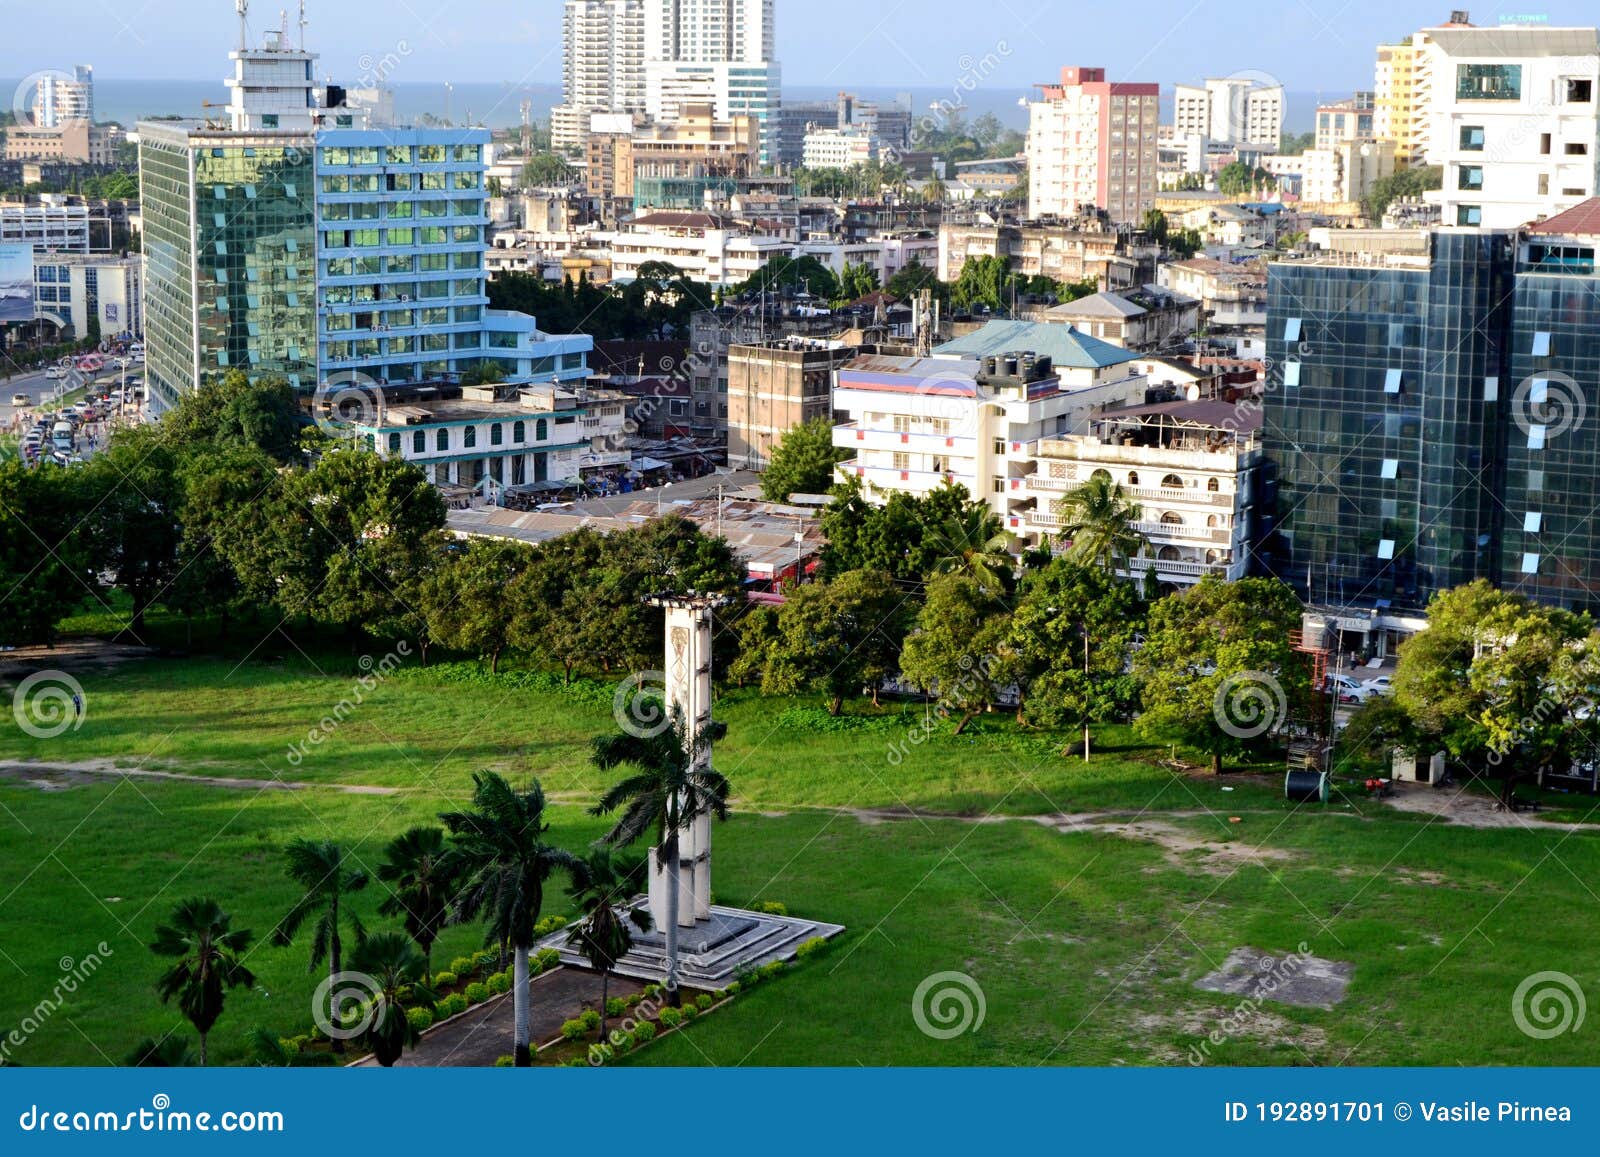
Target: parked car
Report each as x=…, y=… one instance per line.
x=1383, y=684
x=1348, y=690
x=21, y=400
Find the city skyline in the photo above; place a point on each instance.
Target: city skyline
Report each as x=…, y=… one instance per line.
x=474, y=40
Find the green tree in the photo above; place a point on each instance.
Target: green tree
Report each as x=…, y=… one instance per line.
x=972, y=540
x=506, y=865
x=133, y=496
x=912, y=279
x=44, y=557
x=548, y=169
x=956, y=648
x=834, y=638
x=603, y=884
x=423, y=876
x=233, y=410
x=1154, y=222
x=1237, y=179
x=858, y=281
x=1098, y=523
x=802, y=462
x=469, y=610
x=798, y=273
x=327, y=883
x=983, y=281
x=1412, y=182
x=670, y=783
x=1217, y=671
x=398, y=975
x=1185, y=243
x=208, y=959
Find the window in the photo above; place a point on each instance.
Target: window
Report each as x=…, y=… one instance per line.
x=1469, y=214
x=497, y=434
x=419, y=442
x=441, y=440
x=541, y=428
x=1470, y=177
x=1544, y=184
x=1391, y=382
x=999, y=445
x=1541, y=344
x=394, y=443
x=519, y=432
x=1576, y=149
x=1386, y=548
x=1172, y=482
x=1133, y=478
x=1472, y=138
x=1531, y=522
x=1544, y=144
x=901, y=460
x=1539, y=392
x=1291, y=373
x=269, y=120
x=1488, y=82
x=1212, y=486
x=1390, y=470
x=1491, y=389
x=1530, y=564
x=1536, y=437
x=469, y=436
x=1579, y=91
x=1291, y=329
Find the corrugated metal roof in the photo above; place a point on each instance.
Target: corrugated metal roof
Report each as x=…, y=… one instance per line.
x=1062, y=344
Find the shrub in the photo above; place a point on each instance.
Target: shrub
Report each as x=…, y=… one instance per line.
x=768, y=971
x=453, y=1005
x=631, y=999
x=290, y=1049
x=616, y=1006
x=505, y=1062
x=600, y=1054
x=590, y=1018
x=484, y=956
x=704, y=1001
x=548, y=925
x=811, y=947
x=420, y=1018
x=644, y=1031
x=444, y=980
x=623, y=1041
x=463, y=966
x=690, y=1012
x=670, y=1017
x=652, y=990
x=732, y=989
x=773, y=908
x=477, y=993
x=546, y=959
x=574, y=1029
x=499, y=982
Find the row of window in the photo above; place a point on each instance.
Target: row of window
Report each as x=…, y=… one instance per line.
x=401, y=182
x=401, y=210
x=400, y=154
x=407, y=318
x=469, y=437
x=396, y=264
x=411, y=235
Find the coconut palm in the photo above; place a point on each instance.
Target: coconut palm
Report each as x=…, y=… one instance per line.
x=319, y=868
x=505, y=865
x=673, y=782
x=423, y=874
x=1097, y=519
x=396, y=969
x=603, y=885
x=209, y=955
x=974, y=542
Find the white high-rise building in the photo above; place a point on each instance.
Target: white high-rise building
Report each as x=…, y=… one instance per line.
x=717, y=52
x=1232, y=110
x=59, y=101
x=1512, y=119
x=603, y=69
x=1092, y=142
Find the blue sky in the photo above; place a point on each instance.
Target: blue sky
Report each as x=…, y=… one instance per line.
x=1308, y=44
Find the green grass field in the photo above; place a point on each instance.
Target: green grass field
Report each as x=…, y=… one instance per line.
x=1085, y=943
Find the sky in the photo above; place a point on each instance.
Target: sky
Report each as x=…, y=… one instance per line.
x=1309, y=45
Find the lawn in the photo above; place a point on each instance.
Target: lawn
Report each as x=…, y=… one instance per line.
x=1085, y=943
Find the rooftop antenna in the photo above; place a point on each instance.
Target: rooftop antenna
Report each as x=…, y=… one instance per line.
x=303, y=25
x=242, y=7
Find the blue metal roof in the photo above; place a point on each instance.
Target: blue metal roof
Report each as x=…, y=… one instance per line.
x=1062, y=344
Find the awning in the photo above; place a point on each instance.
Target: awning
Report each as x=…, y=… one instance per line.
x=646, y=463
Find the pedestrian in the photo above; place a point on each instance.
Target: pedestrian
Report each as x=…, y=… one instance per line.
x=77, y=705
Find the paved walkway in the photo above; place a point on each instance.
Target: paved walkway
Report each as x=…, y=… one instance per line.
x=480, y=1036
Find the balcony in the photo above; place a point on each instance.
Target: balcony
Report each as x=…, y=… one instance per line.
x=1158, y=531
x=854, y=436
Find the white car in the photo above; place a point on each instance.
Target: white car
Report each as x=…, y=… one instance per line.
x=1383, y=684
x=1348, y=690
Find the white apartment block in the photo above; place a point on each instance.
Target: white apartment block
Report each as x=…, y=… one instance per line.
x=717, y=52
x=60, y=100
x=71, y=288
x=46, y=224
x=603, y=67
x=708, y=247
x=1235, y=110
x=1093, y=142
x=886, y=255
x=1512, y=119
x=1345, y=172
x=978, y=420
x=838, y=148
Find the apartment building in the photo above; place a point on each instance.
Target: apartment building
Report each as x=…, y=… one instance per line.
x=775, y=386
x=602, y=67
x=48, y=222
x=716, y=52
x=708, y=247
x=1232, y=110
x=677, y=165
x=1079, y=249
x=84, y=291
x=831, y=148
x=1394, y=106
x=1092, y=144
x=1233, y=298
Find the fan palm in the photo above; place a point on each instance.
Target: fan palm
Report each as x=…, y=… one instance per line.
x=423, y=874
x=672, y=783
x=505, y=864
x=603, y=884
x=974, y=542
x=1097, y=519
x=209, y=961
x=319, y=868
x=396, y=968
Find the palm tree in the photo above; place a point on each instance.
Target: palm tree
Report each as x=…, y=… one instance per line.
x=672, y=784
x=423, y=875
x=975, y=543
x=1097, y=519
x=319, y=868
x=505, y=865
x=603, y=885
x=396, y=969
x=209, y=961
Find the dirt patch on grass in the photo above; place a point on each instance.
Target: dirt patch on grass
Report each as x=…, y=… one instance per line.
x=1259, y=1027
x=1470, y=809
x=1182, y=846
x=63, y=776
x=88, y=654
